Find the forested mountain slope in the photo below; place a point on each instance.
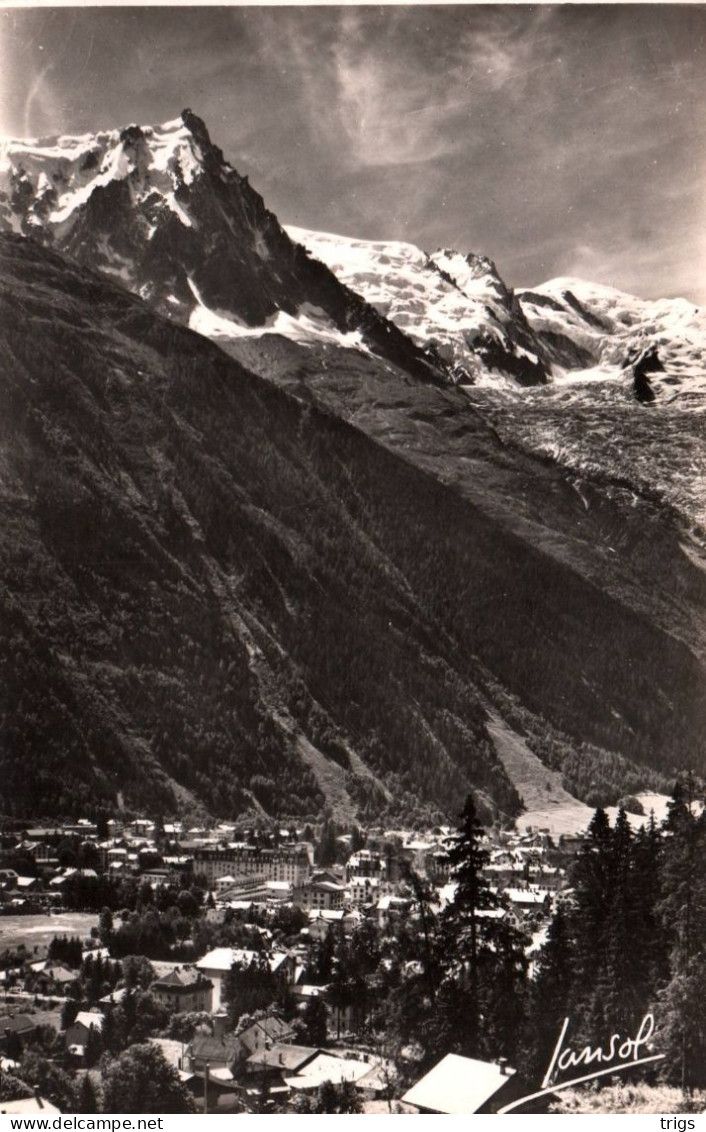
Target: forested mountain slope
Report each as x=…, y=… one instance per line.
x=225, y=594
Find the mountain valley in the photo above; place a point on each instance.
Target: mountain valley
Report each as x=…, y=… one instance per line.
x=390, y=511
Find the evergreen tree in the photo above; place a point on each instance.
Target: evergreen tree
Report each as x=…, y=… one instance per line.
x=551, y=994
x=620, y=994
x=13, y=1045
x=86, y=1097
x=480, y=1005
x=249, y=987
x=327, y=847
x=652, y=956
x=12, y=1088
x=683, y=911
x=315, y=1018
x=591, y=881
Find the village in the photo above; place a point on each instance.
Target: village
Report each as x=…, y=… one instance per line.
x=252, y=960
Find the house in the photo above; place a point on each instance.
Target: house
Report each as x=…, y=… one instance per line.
x=462, y=1085
x=390, y=909
x=528, y=900
x=321, y=923
x=326, y=1067
x=217, y=964
x=366, y=863
x=272, y=1064
x=265, y=1032
x=217, y=1050
x=157, y=876
x=114, y=998
x=59, y=974
x=183, y=989
x=14, y=1027
x=76, y=1036
x=324, y=892
x=363, y=890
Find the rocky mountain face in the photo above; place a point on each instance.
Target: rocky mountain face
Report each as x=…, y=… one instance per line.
x=159, y=209
x=389, y=513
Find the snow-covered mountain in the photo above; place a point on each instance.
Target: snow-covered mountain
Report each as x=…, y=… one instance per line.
x=613, y=327
x=456, y=303
x=566, y=330
x=159, y=209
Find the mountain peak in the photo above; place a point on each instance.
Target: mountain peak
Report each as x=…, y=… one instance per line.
x=197, y=127
x=160, y=209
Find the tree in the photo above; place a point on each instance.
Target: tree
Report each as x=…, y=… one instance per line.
x=12, y=1088
x=105, y=926
x=425, y=896
x=591, y=878
x=341, y=1098
x=13, y=1045
x=683, y=912
x=141, y=1080
x=314, y=1020
x=249, y=987
x=327, y=847
x=551, y=993
x=138, y=972
x=93, y=1048
x=50, y=1081
x=620, y=994
x=481, y=1000
x=86, y=1096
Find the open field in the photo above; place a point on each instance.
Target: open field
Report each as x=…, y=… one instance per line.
x=571, y=818
x=37, y=932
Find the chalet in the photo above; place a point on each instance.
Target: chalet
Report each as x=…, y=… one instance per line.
x=462, y=1085
x=76, y=1036
x=529, y=901
x=184, y=989
x=54, y=977
x=321, y=923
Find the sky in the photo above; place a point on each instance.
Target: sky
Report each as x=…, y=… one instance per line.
x=556, y=139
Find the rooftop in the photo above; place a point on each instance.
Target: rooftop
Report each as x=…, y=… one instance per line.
x=458, y=1085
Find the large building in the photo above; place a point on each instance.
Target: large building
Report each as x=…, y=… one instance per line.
x=216, y=861
x=183, y=989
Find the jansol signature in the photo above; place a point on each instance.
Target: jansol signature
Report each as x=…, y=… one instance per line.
x=615, y=1055
x=619, y=1053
